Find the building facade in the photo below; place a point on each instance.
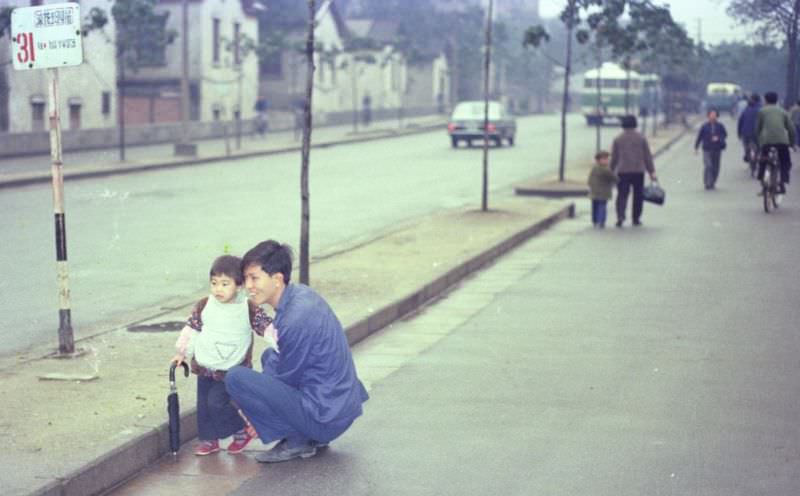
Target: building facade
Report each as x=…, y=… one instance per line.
x=223, y=76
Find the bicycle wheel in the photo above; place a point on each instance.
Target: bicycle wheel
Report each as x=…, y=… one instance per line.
x=766, y=189
x=774, y=186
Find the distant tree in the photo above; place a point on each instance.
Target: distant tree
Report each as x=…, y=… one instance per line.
x=142, y=38
x=774, y=19
x=536, y=36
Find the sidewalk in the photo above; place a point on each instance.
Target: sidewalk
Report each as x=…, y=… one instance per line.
x=86, y=435
x=94, y=163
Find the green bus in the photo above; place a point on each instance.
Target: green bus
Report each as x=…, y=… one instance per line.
x=621, y=92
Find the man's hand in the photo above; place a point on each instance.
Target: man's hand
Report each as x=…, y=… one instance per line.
x=653, y=177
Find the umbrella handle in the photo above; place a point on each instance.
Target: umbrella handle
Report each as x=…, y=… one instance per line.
x=172, y=371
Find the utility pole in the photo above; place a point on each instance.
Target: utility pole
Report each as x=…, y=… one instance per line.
x=184, y=146
x=305, y=214
x=486, y=66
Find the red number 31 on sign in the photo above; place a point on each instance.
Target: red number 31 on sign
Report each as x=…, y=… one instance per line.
x=26, y=52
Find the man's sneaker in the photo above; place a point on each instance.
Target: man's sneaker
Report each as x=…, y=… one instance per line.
x=206, y=448
x=240, y=441
x=282, y=452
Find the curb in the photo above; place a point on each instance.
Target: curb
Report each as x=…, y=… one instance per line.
x=40, y=178
x=126, y=461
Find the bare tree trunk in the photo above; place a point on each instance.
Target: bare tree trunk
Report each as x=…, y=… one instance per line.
x=306, y=149
x=565, y=98
x=791, y=73
x=121, y=106
x=486, y=66
x=600, y=110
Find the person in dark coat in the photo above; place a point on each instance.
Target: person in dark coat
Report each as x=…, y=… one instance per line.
x=746, y=125
x=630, y=159
x=712, y=136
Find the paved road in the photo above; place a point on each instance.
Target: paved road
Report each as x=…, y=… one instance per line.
x=136, y=240
x=660, y=360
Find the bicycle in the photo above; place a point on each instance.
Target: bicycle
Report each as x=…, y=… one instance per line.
x=770, y=184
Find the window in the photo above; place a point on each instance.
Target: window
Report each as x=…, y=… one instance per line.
x=74, y=116
x=105, y=105
x=237, y=39
x=217, y=113
x=37, y=116
x=272, y=65
x=215, y=40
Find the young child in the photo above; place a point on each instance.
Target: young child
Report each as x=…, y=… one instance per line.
x=601, y=186
x=218, y=336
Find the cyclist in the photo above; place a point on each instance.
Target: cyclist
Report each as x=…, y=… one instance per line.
x=746, y=127
x=774, y=128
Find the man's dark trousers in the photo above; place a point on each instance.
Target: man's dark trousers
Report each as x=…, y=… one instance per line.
x=276, y=409
x=628, y=180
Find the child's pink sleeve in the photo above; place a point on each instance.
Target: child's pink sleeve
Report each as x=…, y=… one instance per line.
x=184, y=344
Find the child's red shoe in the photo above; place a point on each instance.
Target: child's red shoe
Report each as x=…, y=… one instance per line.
x=206, y=448
x=240, y=441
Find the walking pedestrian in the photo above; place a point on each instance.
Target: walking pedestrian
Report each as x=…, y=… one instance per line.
x=308, y=393
x=218, y=336
x=601, y=187
x=712, y=136
x=630, y=159
x=262, y=124
x=366, y=110
x=794, y=114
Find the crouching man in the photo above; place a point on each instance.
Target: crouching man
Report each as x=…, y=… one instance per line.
x=308, y=393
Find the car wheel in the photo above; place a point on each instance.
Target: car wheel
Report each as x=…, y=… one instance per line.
x=498, y=142
x=454, y=142
x=469, y=143
x=510, y=141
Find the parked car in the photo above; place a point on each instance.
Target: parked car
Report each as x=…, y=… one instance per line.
x=466, y=123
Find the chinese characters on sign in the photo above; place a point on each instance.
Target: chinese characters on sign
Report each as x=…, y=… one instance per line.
x=46, y=36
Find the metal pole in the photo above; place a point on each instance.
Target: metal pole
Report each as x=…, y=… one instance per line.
x=486, y=66
x=121, y=105
x=184, y=147
x=66, y=343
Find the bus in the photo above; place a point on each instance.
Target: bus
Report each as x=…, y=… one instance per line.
x=621, y=92
x=722, y=97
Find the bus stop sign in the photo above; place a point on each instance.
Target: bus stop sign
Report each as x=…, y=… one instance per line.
x=46, y=36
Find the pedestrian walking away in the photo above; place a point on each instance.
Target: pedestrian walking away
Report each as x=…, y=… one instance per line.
x=601, y=187
x=775, y=129
x=630, y=159
x=308, y=393
x=262, y=123
x=218, y=336
x=794, y=114
x=712, y=136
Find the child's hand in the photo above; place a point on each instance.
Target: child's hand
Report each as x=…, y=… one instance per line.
x=178, y=359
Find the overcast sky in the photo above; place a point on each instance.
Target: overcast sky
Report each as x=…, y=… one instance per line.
x=716, y=26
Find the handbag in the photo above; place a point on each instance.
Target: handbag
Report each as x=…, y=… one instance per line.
x=654, y=193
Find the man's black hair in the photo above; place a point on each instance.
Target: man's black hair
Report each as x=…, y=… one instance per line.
x=227, y=265
x=755, y=98
x=629, y=122
x=272, y=257
x=771, y=97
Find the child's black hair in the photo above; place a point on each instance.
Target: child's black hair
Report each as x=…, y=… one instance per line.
x=227, y=265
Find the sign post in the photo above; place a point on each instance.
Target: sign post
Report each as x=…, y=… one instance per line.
x=49, y=37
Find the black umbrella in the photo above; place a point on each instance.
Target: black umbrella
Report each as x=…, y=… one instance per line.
x=174, y=410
